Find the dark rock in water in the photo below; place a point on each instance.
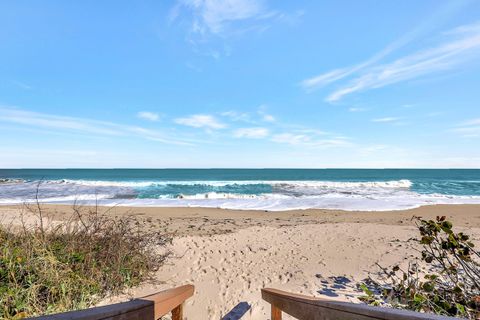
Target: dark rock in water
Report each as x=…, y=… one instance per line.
x=125, y=196
x=12, y=181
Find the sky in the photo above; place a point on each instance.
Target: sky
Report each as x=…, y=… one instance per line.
x=240, y=83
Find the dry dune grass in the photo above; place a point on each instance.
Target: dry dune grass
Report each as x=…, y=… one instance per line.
x=48, y=267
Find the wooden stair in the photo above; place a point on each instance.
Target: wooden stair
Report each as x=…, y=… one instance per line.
x=302, y=307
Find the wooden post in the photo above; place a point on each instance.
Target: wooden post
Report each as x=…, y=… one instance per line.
x=276, y=313
x=177, y=313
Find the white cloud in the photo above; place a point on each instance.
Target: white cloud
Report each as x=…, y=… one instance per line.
x=471, y=132
x=466, y=39
x=250, y=117
x=326, y=78
x=146, y=115
x=212, y=24
x=36, y=119
x=201, y=121
x=22, y=85
x=82, y=125
x=367, y=150
x=472, y=122
x=268, y=118
x=386, y=119
x=212, y=16
x=262, y=111
x=291, y=138
x=468, y=28
x=354, y=109
x=338, y=74
x=252, y=133
x=237, y=116
x=311, y=141
x=469, y=128
x=442, y=14
x=464, y=47
x=312, y=132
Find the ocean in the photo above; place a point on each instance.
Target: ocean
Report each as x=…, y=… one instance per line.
x=262, y=189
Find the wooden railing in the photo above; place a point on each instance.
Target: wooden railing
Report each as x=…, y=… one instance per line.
x=305, y=307
x=151, y=307
x=302, y=307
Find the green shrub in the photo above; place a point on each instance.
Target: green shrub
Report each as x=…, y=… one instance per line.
x=449, y=284
x=49, y=267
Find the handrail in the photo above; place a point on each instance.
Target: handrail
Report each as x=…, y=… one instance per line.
x=171, y=300
x=151, y=307
x=304, y=307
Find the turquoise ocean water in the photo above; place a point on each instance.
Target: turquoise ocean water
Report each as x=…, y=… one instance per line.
x=266, y=189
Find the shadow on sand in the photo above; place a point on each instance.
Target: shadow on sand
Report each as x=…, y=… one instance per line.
x=238, y=311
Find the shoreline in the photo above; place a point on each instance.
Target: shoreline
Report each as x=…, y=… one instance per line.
x=208, y=221
x=349, y=205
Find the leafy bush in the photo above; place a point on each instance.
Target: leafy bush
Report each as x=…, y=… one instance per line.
x=450, y=283
x=48, y=266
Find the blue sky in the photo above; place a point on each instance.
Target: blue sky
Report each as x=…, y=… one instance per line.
x=240, y=83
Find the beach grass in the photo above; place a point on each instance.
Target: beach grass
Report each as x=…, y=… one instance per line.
x=54, y=266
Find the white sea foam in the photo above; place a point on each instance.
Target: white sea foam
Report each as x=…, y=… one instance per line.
x=404, y=183
x=89, y=198
x=282, y=203
x=221, y=195
x=272, y=202
x=282, y=195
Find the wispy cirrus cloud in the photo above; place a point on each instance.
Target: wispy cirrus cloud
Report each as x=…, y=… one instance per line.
x=83, y=126
x=215, y=16
x=472, y=122
x=269, y=129
x=309, y=140
x=261, y=115
x=147, y=115
x=213, y=23
x=267, y=117
x=21, y=84
x=310, y=137
x=265, y=126
x=357, y=109
x=251, y=133
x=463, y=48
x=458, y=46
x=36, y=119
x=469, y=128
x=237, y=116
x=441, y=14
x=386, y=119
x=291, y=138
x=201, y=121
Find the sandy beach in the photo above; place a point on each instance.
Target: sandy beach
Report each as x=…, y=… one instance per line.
x=229, y=255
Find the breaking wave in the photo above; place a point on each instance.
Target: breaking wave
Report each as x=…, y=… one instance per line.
x=240, y=194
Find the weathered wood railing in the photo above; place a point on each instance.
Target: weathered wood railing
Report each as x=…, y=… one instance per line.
x=304, y=307
x=151, y=307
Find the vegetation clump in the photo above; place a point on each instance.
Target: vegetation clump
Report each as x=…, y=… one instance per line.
x=55, y=266
x=449, y=284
